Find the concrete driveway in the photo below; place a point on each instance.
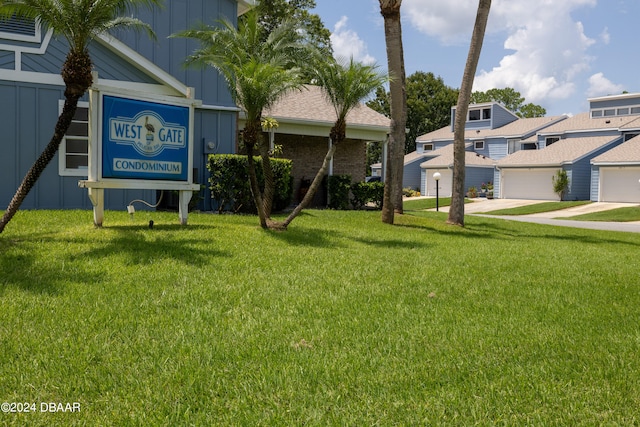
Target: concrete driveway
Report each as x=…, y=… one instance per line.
x=480, y=206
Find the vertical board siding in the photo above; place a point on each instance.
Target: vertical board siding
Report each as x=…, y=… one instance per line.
x=411, y=176
x=595, y=183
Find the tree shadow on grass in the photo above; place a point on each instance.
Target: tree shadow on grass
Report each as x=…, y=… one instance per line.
x=141, y=245
x=25, y=271
x=303, y=236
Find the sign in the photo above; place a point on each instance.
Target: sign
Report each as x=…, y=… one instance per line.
x=144, y=140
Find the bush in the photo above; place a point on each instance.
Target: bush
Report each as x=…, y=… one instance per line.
x=410, y=192
x=338, y=187
x=367, y=192
x=229, y=182
x=560, y=183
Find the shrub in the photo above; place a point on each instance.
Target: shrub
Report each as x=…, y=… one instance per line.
x=560, y=183
x=410, y=192
x=338, y=187
x=229, y=182
x=367, y=192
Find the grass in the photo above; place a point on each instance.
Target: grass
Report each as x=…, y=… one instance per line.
x=626, y=214
x=341, y=320
x=538, y=208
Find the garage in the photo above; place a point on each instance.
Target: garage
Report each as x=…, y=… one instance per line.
x=528, y=183
x=446, y=182
x=620, y=184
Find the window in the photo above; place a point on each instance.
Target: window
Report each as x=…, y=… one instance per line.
x=479, y=114
x=596, y=113
x=628, y=136
x=551, y=140
x=610, y=112
x=635, y=110
x=478, y=145
x=623, y=111
x=529, y=146
x=428, y=147
x=513, y=145
x=474, y=115
x=74, y=149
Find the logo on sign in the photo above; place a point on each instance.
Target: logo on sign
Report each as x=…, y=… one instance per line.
x=147, y=133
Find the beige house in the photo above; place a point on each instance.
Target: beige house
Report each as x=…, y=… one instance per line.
x=305, y=119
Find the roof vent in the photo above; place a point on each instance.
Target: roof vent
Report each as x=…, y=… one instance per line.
x=608, y=121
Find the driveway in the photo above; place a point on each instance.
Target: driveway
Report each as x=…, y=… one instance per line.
x=480, y=206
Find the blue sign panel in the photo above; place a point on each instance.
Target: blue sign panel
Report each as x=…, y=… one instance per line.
x=144, y=140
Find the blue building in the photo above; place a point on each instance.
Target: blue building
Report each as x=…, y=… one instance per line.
x=32, y=93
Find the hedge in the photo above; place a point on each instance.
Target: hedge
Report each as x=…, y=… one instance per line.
x=229, y=182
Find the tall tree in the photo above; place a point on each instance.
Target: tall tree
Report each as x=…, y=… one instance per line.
x=345, y=84
x=429, y=102
x=272, y=13
x=392, y=201
x=456, y=211
x=79, y=22
x=511, y=99
x=259, y=72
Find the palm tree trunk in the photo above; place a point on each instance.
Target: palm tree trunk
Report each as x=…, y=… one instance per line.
x=390, y=10
x=313, y=188
x=269, y=182
x=30, y=179
x=250, y=135
x=456, y=211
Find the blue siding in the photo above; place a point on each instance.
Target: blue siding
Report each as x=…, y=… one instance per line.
x=615, y=103
x=496, y=183
x=28, y=115
x=7, y=60
x=170, y=54
x=595, y=183
x=412, y=174
x=501, y=116
x=113, y=67
x=495, y=148
x=51, y=62
x=580, y=174
x=474, y=177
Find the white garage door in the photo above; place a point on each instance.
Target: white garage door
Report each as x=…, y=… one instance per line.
x=535, y=184
x=446, y=180
x=620, y=184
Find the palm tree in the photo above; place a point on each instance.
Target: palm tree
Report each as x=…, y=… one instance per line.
x=259, y=70
x=345, y=84
x=456, y=211
x=390, y=10
x=79, y=22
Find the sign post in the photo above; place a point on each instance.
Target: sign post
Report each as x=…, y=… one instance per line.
x=139, y=142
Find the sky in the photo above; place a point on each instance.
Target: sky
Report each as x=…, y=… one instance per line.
x=556, y=53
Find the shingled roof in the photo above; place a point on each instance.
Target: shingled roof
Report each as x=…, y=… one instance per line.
x=565, y=151
x=516, y=129
x=310, y=105
x=445, y=158
x=584, y=122
x=626, y=153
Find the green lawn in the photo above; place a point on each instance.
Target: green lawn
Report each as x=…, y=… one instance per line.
x=341, y=320
x=626, y=214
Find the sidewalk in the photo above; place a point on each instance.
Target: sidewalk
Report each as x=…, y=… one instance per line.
x=480, y=206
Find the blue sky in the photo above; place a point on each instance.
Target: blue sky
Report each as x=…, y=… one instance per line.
x=556, y=53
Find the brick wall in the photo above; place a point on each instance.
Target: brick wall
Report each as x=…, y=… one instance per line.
x=307, y=153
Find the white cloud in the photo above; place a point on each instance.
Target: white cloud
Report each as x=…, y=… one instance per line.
x=599, y=85
x=548, y=48
x=605, y=36
x=346, y=43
